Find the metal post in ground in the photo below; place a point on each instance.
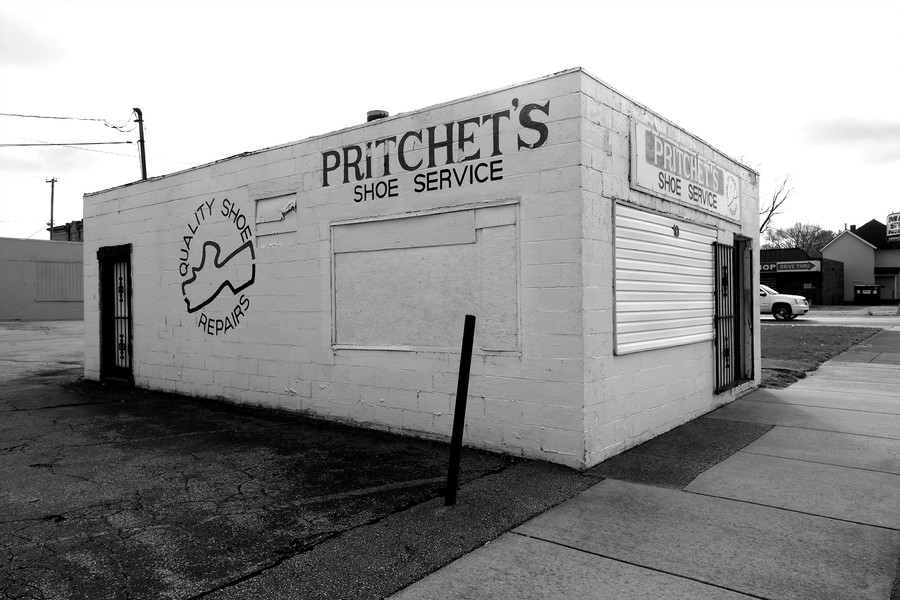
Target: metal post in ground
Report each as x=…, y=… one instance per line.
x=459, y=412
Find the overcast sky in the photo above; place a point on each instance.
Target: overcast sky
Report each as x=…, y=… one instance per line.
x=805, y=90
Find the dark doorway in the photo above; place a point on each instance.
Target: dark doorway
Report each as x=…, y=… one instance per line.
x=115, y=312
x=734, y=316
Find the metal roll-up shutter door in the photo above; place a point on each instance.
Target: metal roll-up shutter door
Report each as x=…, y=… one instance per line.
x=663, y=281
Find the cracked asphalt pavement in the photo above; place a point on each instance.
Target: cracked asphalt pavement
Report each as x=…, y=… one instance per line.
x=112, y=492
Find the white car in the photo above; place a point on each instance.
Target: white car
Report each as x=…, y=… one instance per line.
x=781, y=306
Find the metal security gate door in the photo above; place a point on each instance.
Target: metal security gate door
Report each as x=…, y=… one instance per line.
x=727, y=349
x=115, y=312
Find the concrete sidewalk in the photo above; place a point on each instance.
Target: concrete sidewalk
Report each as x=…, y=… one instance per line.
x=809, y=510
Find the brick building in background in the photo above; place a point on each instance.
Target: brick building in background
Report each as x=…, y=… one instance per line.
x=72, y=231
x=609, y=256
x=792, y=271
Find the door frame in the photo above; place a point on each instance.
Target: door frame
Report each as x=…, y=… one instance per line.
x=734, y=318
x=116, y=322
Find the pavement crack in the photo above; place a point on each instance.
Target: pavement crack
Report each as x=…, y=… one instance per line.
x=295, y=548
x=792, y=510
x=54, y=406
x=644, y=566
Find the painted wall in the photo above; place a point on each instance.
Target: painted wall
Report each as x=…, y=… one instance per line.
x=333, y=289
x=40, y=280
x=633, y=397
x=858, y=258
x=888, y=259
x=331, y=276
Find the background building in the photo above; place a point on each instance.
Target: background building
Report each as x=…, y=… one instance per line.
x=869, y=259
x=72, y=231
x=609, y=256
x=792, y=271
x=41, y=280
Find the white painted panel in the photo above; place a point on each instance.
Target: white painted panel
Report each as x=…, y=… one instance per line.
x=664, y=282
x=441, y=229
x=499, y=324
x=495, y=216
x=407, y=283
x=409, y=297
x=270, y=210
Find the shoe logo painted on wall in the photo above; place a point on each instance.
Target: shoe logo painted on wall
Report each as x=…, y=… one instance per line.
x=217, y=263
x=216, y=275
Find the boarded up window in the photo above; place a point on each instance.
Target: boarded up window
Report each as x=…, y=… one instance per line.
x=276, y=221
x=407, y=283
x=663, y=279
x=59, y=282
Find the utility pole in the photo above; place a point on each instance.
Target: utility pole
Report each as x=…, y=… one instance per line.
x=52, y=183
x=140, y=122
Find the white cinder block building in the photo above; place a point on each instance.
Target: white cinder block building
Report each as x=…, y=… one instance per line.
x=609, y=256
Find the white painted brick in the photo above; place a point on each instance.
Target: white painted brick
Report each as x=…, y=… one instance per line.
x=435, y=403
x=488, y=433
x=563, y=227
x=522, y=436
x=567, y=445
x=560, y=180
x=418, y=421
x=501, y=410
x=559, y=323
x=553, y=275
x=553, y=416
x=562, y=393
x=392, y=417
x=582, y=404
x=549, y=205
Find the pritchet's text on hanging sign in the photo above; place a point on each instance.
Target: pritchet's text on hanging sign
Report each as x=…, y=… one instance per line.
x=664, y=168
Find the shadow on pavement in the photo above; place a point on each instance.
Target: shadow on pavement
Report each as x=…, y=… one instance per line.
x=114, y=492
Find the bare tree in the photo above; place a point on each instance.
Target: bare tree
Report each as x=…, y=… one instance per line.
x=810, y=238
x=771, y=209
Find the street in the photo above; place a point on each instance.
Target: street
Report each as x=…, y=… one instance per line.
x=851, y=316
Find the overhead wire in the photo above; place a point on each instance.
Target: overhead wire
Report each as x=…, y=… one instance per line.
x=120, y=128
x=66, y=144
x=36, y=232
x=43, y=143
x=107, y=123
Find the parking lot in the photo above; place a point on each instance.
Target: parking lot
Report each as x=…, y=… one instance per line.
x=113, y=492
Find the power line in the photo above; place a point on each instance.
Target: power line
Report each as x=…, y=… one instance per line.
x=104, y=121
x=166, y=160
x=36, y=232
x=65, y=144
x=46, y=117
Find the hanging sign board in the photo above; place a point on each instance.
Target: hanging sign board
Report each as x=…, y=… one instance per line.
x=893, y=227
x=661, y=167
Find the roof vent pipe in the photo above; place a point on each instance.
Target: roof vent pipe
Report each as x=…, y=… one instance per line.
x=374, y=115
